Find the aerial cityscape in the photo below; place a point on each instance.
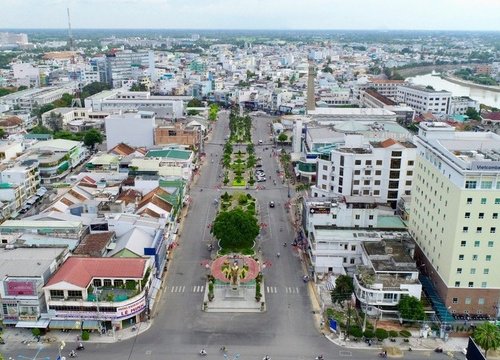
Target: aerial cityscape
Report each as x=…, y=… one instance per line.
x=249, y=180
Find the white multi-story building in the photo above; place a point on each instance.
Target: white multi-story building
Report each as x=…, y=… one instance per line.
x=388, y=273
x=29, y=98
x=26, y=74
x=171, y=107
x=134, y=128
x=454, y=216
x=425, y=100
x=383, y=170
x=335, y=230
x=460, y=104
x=120, y=65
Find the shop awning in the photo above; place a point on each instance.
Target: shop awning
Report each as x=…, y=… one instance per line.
x=40, y=324
x=65, y=324
x=91, y=325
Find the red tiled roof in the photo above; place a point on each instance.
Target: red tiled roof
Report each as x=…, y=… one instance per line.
x=388, y=142
x=494, y=115
x=80, y=271
x=122, y=149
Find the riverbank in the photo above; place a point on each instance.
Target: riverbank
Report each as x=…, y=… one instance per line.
x=423, y=70
x=459, y=81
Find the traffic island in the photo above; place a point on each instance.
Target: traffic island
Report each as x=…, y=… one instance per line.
x=234, y=285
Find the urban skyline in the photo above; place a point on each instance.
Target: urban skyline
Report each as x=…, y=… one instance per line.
x=256, y=14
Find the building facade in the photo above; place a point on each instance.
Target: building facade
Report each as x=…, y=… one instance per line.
x=425, y=100
x=454, y=216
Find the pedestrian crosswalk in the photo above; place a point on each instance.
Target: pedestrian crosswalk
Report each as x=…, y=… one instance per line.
x=178, y=289
x=183, y=288
x=286, y=290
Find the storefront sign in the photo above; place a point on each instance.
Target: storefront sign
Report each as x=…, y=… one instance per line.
x=131, y=309
x=321, y=210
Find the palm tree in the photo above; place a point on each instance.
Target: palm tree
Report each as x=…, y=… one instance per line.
x=487, y=336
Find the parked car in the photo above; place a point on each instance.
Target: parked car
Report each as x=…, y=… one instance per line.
x=271, y=204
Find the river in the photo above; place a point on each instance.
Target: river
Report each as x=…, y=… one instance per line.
x=486, y=97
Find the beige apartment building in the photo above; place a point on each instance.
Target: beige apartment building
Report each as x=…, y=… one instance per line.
x=454, y=216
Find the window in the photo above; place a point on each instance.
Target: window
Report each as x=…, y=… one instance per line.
x=470, y=184
x=379, y=162
x=325, y=167
x=479, y=230
x=486, y=184
x=486, y=271
x=473, y=271
x=469, y=201
x=410, y=162
x=495, y=216
x=459, y=270
x=465, y=229
x=474, y=257
x=490, y=243
x=57, y=294
x=460, y=257
x=368, y=172
x=353, y=247
x=483, y=201
x=357, y=172
x=370, y=217
x=334, y=216
x=493, y=230
x=368, y=162
x=481, y=215
x=366, y=182
x=457, y=283
x=75, y=294
x=409, y=173
x=471, y=283
x=467, y=215
x=352, y=261
x=357, y=217
x=357, y=162
x=378, y=172
x=107, y=282
x=376, y=182
x=467, y=301
x=477, y=243
x=483, y=284
x=488, y=257
x=480, y=301
x=376, y=192
x=97, y=283
x=408, y=183
x=397, y=153
x=497, y=201
x=455, y=300
x=463, y=243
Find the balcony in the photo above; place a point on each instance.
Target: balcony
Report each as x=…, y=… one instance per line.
x=112, y=295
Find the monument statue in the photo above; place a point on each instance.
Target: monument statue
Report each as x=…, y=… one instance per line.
x=235, y=274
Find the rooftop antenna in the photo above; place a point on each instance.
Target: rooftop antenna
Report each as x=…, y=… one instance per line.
x=70, y=34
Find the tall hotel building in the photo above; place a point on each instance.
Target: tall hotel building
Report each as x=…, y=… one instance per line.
x=454, y=216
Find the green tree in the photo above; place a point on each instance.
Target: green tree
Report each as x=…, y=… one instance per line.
x=94, y=88
x=411, y=308
x=6, y=91
x=65, y=101
x=236, y=229
x=2, y=133
x=192, y=112
x=138, y=87
x=282, y=137
x=487, y=335
x=473, y=114
x=55, y=121
x=343, y=289
x=92, y=137
x=40, y=129
x=195, y=103
x=43, y=109
x=21, y=88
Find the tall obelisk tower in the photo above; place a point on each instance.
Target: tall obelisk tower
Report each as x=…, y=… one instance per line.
x=311, y=101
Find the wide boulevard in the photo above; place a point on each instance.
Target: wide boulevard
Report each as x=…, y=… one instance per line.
x=180, y=328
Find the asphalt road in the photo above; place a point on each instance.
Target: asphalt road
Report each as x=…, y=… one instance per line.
x=180, y=329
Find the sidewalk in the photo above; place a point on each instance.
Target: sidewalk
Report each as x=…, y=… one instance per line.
x=24, y=336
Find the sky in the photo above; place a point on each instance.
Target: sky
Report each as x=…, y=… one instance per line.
x=254, y=14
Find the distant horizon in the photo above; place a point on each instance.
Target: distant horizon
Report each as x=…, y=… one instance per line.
x=251, y=29
x=273, y=15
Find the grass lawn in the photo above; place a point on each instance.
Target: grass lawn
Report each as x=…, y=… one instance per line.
x=239, y=183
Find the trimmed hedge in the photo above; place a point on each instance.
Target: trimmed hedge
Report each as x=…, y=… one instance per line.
x=405, y=333
x=381, y=334
x=393, y=333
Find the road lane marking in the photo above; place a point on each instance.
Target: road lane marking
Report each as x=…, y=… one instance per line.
x=345, y=353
